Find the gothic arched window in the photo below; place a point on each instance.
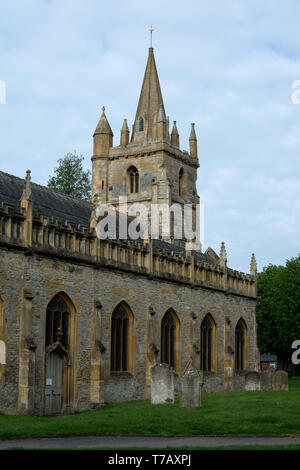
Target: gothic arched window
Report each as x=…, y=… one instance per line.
x=169, y=338
x=141, y=124
x=207, y=343
x=180, y=181
x=240, y=345
x=133, y=176
x=57, y=322
x=121, y=324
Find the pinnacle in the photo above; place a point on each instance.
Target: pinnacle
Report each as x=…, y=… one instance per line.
x=103, y=124
x=193, y=133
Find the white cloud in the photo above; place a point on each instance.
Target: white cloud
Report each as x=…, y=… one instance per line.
x=225, y=65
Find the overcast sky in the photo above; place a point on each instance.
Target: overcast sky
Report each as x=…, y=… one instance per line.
x=226, y=65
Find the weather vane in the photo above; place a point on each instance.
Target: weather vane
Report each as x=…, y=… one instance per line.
x=151, y=31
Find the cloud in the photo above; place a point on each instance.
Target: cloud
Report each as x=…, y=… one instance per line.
x=227, y=66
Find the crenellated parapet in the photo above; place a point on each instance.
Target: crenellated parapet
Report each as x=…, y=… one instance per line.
x=157, y=259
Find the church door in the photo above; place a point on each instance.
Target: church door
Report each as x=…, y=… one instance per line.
x=54, y=368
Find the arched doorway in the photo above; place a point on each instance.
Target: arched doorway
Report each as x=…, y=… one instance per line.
x=58, y=351
x=53, y=392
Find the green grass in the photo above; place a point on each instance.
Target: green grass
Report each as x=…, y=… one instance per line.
x=239, y=413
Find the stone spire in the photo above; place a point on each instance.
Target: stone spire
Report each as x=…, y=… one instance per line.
x=223, y=255
x=149, y=104
x=124, y=133
x=103, y=136
x=193, y=142
x=253, y=266
x=175, y=136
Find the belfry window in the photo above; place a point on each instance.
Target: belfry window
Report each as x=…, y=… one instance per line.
x=57, y=322
x=120, y=324
x=180, y=181
x=207, y=343
x=141, y=124
x=240, y=344
x=133, y=176
x=168, y=330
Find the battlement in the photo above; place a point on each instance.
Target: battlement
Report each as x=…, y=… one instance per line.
x=51, y=236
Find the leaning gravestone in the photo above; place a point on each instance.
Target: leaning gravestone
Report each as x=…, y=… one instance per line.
x=162, y=384
x=252, y=381
x=266, y=379
x=191, y=382
x=280, y=380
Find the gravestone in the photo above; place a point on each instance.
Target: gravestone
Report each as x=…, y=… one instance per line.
x=191, y=382
x=162, y=384
x=280, y=381
x=252, y=381
x=2, y=352
x=266, y=379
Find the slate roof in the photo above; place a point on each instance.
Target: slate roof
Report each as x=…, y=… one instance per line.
x=45, y=201
x=177, y=249
x=55, y=204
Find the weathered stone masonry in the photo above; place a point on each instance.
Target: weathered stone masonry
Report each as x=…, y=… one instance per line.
x=110, y=299
x=30, y=278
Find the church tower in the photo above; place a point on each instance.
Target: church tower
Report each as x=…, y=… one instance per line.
x=149, y=167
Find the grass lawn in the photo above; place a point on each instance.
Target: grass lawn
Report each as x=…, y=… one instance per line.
x=239, y=413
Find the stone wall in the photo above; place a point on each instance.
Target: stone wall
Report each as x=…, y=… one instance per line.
x=35, y=279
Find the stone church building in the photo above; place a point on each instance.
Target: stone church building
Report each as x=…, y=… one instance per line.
x=83, y=319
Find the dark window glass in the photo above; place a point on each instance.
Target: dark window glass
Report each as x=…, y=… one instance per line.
x=180, y=181
x=168, y=339
x=57, y=322
x=133, y=179
x=206, y=344
x=239, y=345
x=119, y=339
x=141, y=124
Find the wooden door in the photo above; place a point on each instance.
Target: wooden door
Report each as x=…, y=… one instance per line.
x=53, y=387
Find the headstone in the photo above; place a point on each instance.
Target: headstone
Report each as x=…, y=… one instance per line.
x=162, y=384
x=266, y=379
x=280, y=381
x=2, y=352
x=252, y=381
x=191, y=382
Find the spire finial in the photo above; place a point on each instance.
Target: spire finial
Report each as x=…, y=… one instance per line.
x=151, y=31
x=103, y=109
x=253, y=265
x=223, y=255
x=27, y=187
x=26, y=197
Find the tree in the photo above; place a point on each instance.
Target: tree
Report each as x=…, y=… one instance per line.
x=278, y=309
x=70, y=177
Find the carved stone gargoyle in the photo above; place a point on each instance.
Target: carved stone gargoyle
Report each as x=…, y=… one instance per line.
x=151, y=311
x=100, y=346
x=154, y=348
x=30, y=344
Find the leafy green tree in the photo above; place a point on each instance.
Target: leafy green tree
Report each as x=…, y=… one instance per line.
x=278, y=309
x=70, y=177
